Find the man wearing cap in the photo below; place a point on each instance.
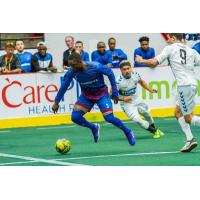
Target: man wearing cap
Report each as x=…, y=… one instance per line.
x=10, y=63
x=42, y=61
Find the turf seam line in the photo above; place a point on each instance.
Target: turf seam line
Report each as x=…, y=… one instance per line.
x=120, y=155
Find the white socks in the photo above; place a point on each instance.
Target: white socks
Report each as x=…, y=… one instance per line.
x=186, y=128
x=148, y=117
x=195, y=121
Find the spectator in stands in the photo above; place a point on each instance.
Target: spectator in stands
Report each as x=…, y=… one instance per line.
x=69, y=40
x=144, y=50
x=24, y=56
x=117, y=54
x=10, y=63
x=101, y=55
x=42, y=61
x=79, y=49
x=197, y=47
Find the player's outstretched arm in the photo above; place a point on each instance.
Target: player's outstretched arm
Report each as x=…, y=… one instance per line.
x=145, y=86
x=64, y=86
x=149, y=62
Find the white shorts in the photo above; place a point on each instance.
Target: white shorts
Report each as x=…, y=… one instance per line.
x=186, y=98
x=135, y=109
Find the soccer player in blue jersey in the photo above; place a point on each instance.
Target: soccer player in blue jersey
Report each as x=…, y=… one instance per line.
x=117, y=54
x=24, y=56
x=101, y=55
x=93, y=91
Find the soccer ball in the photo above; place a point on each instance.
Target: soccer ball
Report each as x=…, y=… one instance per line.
x=63, y=146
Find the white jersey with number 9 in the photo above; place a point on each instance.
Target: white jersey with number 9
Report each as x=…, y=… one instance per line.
x=182, y=60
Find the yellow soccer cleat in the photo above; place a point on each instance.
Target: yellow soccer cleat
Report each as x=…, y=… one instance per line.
x=156, y=135
x=160, y=132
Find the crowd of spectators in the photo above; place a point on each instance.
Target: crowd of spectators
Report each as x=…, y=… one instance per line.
x=24, y=61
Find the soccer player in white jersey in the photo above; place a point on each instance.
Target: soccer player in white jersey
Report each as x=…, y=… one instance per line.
x=130, y=103
x=182, y=60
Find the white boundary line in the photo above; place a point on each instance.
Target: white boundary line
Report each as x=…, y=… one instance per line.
x=39, y=160
x=168, y=119
x=6, y=131
x=121, y=155
x=13, y=163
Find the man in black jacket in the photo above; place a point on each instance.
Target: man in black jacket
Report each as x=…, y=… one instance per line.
x=69, y=40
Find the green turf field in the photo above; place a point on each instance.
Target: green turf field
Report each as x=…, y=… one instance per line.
x=35, y=146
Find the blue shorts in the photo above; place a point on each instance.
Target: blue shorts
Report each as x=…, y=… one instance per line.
x=85, y=105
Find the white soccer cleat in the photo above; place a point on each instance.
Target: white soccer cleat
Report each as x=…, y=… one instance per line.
x=191, y=144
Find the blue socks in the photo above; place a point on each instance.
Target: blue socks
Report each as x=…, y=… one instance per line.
x=117, y=122
x=77, y=117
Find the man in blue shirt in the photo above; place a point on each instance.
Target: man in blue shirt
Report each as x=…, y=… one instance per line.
x=93, y=91
x=117, y=54
x=79, y=49
x=24, y=56
x=101, y=55
x=144, y=50
x=197, y=47
x=42, y=61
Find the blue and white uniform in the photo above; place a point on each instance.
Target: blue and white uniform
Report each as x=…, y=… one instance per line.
x=25, y=60
x=128, y=87
x=182, y=60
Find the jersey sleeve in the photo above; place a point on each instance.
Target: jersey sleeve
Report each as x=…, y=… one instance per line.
x=87, y=56
x=163, y=55
x=138, y=77
x=122, y=55
x=118, y=82
x=64, y=85
x=109, y=73
x=94, y=56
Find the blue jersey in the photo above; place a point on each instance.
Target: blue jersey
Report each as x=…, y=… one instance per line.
x=150, y=53
x=44, y=62
x=25, y=60
x=117, y=56
x=104, y=59
x=85, y=56
x=91, y=81
x=197, y=47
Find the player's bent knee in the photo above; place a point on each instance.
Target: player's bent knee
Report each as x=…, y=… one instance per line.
x=109, y=117
x=76, y=115
x=188, y=120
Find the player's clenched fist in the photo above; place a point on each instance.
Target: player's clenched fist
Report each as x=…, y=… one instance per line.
x=55, y=107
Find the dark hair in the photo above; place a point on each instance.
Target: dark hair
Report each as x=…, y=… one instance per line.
x=75, y=56
x=144, y=38
x=79, y=42
x=124, y=63
x=179, y=36
x=112, y=38
x=100, y=43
